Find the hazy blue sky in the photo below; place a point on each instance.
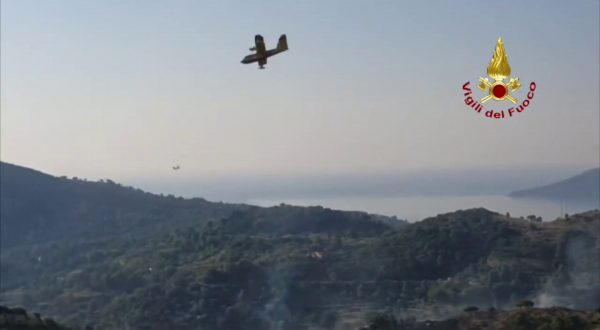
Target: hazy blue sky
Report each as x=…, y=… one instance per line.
x=126, y=89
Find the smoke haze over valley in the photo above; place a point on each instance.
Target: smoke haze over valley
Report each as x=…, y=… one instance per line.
x=410, y=195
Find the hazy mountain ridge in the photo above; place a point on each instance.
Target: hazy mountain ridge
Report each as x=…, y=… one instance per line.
x=38, y=208
x=584, y=186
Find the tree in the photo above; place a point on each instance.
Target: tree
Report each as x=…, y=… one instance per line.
x=383, y=322
x=525, y=303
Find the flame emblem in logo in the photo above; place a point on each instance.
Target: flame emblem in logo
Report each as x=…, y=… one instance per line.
x=499, y=69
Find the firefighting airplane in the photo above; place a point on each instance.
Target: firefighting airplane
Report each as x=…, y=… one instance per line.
x=261, y=52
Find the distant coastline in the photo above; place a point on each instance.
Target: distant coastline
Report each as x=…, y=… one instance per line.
x=581, y=187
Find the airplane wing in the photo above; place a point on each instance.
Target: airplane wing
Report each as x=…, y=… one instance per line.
x=259, y=44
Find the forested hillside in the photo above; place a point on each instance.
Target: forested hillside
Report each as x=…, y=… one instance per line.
x=37, y=208
x=284, y=267
x=214, y=277
x=18, y=319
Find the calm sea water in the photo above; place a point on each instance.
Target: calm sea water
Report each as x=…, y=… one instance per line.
x=417, y=208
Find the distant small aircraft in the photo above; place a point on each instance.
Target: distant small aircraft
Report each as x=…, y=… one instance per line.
x=175, y=168
x=261, y=53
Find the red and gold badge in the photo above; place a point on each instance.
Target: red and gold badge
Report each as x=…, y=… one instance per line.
x=497, y=88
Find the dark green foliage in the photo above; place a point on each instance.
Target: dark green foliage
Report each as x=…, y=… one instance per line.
x=18, y=319
x=520, y=319
x=215, y=277
x=525, y=303
x=214, y=266
x=383, y=322
x=445, y=246
x=287, y=219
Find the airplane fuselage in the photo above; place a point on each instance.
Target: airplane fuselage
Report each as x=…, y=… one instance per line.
x=257, y=57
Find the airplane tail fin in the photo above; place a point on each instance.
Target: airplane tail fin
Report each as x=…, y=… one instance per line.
x=282, y=44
